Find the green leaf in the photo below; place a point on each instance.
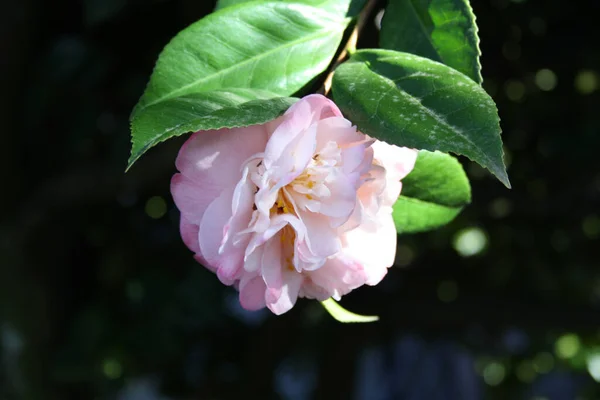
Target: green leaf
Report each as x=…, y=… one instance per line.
x=228, y=3
x=348, y=8
x=433, y=193
x=342, y=315
x=278, y=47
x=202, y=111
x=415, y=102
x=442, y=30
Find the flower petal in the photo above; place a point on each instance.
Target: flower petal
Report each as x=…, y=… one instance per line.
x=398, y=161
x=228, y=264
x=339, y=275
x=272, y=267
x=191, y=198
x=292, y=125
x=252, y=293
x=374, y=247
x=321, y=238
x=321, y=107
x=287, y=295
x=189, y=234
x=338, y=130
x=213, y=158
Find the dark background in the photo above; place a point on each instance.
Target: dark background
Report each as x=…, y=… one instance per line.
x=101, y=300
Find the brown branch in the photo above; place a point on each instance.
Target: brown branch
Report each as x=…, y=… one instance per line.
x=350, y=45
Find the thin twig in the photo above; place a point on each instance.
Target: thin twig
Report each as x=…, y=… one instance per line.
x=350, y=46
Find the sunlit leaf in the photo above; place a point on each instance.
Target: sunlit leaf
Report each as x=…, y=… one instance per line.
x=442, y=30
x=277, y=47
x=202, y=111
x=342, y=315
x=349, y=8
x=419, y=103
x=433, y=194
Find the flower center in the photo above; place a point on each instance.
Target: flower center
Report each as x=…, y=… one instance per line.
x=283, y=205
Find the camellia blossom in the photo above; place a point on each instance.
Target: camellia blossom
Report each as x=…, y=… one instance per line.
x=300, y=206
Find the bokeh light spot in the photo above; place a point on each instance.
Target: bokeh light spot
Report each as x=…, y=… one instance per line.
x=500, y=207
x=470, y=241
x=515, y=90
x=494, y=373
x=404, y=255
x=545, y=79
x=112, y=368
x=591, y=226
x=135, y=291
x=447, y=291
x=480, y=363
x=586, y=81
x=593, y=366
x=537, y=26
x=567, y=346
x=543, y=362
x=156, y=207
x=525, y=371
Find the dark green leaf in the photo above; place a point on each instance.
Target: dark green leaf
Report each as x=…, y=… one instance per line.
x=202, y=111
x=432, y=194
x=278, y=47
x=415, y=102
x=348, y=8
x=442, y=30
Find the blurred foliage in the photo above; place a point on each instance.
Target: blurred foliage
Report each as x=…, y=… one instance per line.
x=101, y=300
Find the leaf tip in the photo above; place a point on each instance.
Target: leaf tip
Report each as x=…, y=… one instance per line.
x=502, y=176
x=342, y=315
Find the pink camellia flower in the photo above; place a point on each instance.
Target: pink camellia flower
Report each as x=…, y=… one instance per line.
x=298, y=207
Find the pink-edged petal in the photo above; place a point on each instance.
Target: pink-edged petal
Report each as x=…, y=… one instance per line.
x=294, y=159
x=374, y=247
x=370, y=194
x=213, y=158
x=357, y=158
x=339, y=275
x=285, y=298
x=252, y=292
x=321, y=107
x=342, y=200
x=189, y=234
x=253, y=261
x=260, y=238
x=230, y=262
x=338, y=130
x=272, y=267
x=292, y=126
x=191, y=198
x=310, y=290
x=322, y=239
x=398, y=161
x=241, y=209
